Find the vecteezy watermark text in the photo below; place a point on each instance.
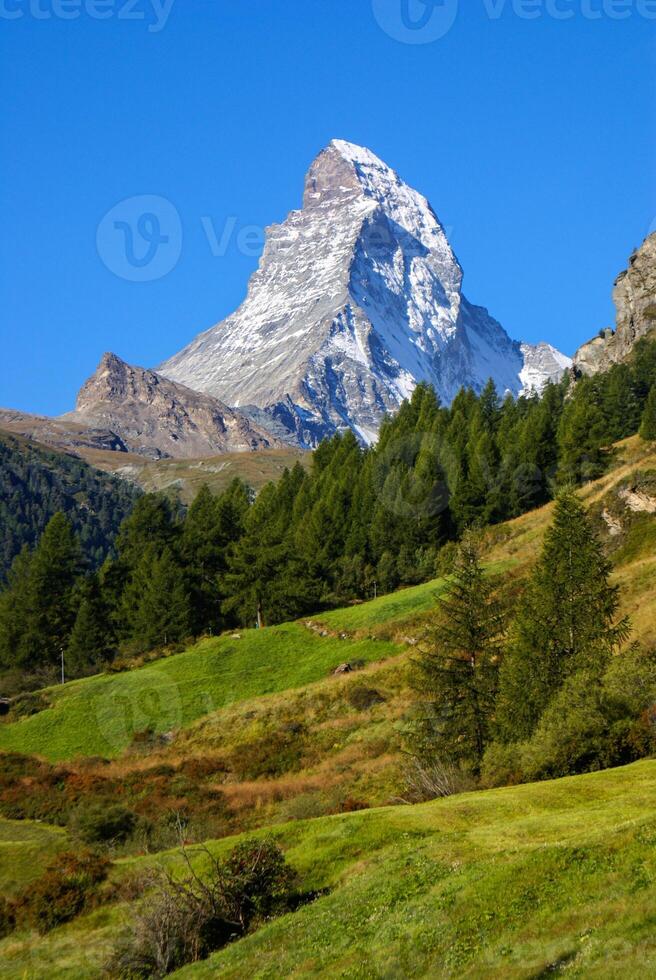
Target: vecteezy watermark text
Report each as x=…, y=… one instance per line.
x=155, y=13
x=425, y=21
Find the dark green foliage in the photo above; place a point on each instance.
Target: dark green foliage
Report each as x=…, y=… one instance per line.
x=102, y=824
x=92, y=639
x=212, y=524
x=648, y=423
x=255, y=882
x=161, y=611
x=457, y=669
x=593, y=722
x=37, y=611
x=36, y=483
x=582, y=434
x=565, y=621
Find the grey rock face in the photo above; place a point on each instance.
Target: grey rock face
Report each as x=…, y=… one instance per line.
x=155, y=417
x=357, y=298
x=634, y=296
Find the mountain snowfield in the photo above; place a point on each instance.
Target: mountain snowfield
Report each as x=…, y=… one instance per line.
x=357, y=298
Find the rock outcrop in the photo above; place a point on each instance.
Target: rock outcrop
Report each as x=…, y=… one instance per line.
x=634, y=296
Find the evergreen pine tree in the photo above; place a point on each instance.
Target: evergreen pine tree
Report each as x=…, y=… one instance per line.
x=648, y=424
x=582, y=435
x=457, y=669
x=54, y=569
x=14, y=608
x=163, y=613
x=565, y=620
x=151, y=524
x=91, y=640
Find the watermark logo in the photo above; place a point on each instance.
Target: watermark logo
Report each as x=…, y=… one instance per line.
x=140, y=239
x=416, y=21
x=154, y=13
x=426, y=21
x=150, y=702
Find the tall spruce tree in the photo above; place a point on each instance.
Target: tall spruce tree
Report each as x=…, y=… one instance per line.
x=582, y=435
x=91, y=642
x=14, y=608
x=566, y=620
x=211, y=525
x=648, y=424
x=49, y=611
x=163, y=611
x=457, y=669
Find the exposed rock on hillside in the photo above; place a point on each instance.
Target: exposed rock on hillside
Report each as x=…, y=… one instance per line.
x=634, y=296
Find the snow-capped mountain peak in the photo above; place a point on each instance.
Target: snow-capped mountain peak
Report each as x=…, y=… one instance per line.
x=357, y=298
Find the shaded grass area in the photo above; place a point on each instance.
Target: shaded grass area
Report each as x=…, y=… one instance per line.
x=100, y=715
x=518, y=882
x=25, y=848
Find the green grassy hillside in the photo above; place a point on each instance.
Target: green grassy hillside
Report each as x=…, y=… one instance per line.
x=523, y=882
x=100, y=715
x=24, y=846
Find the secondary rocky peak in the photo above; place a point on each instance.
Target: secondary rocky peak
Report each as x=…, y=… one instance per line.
x=156, y=417
x=357, y=298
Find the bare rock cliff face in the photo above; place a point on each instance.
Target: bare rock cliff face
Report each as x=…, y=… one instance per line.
x=634, y=296
x=357, y=298
x=155, y=417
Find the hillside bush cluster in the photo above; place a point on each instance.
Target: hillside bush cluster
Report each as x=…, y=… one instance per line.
x=136, y=810
x=545, y=688
x=68, y=886
x=361, y=520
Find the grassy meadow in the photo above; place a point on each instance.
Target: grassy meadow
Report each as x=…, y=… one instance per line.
x=527, y=881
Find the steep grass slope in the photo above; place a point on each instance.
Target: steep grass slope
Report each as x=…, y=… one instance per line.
x=523, y=882
x=100, y=715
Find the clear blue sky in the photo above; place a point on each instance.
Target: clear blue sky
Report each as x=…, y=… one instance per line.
x=534, y=139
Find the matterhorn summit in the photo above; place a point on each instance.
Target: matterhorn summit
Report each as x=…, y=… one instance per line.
x=357, y=298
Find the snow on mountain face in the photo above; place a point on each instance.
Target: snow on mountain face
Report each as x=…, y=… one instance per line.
x=357, y=298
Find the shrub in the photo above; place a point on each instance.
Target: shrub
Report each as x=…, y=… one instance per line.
x=255, y=882
x=270, y=755
x=183, y=921
x=65, y=889
x=589, y=724
x=101, y=824
x=431, y=779
x=363, y=698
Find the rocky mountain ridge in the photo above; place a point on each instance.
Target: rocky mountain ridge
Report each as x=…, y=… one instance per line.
x=357, y=298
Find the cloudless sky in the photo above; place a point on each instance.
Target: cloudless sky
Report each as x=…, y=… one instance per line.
x=534, y=140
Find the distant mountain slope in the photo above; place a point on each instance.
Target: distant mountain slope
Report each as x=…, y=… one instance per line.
x=36, y=482
x=357, y=298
